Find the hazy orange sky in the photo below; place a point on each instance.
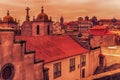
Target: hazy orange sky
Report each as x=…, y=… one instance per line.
x=69, y=9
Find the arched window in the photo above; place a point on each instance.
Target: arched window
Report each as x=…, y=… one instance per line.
x=48, y=31
x=101, y=59
x=38, y=30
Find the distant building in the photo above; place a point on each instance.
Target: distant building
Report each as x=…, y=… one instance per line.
x=85, y=26
x=71, y=26
x=62, y=22
x=80, y=26
x=58, y=29
x=104, y=35
x=94, y=20
x=111, y=23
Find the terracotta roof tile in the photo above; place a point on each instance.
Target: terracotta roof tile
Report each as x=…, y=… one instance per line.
x=52, y=48
x=100, y=31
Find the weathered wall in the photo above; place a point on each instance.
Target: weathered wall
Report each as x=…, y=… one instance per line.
x=65, y=72
x=14, y=53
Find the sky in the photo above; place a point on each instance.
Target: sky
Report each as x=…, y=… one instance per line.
x=69, y=9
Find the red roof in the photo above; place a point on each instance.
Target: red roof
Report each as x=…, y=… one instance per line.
x=105, y=19
x=100, y=27
x=52, y=48
x=100, y=31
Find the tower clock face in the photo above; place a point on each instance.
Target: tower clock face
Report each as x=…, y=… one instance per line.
x=7, y=72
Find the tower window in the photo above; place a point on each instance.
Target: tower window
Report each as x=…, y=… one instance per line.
x=38, y=30
x=48, y=31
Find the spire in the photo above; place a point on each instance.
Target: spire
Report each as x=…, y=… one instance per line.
x=33, y=18
x=50, y=18
x=27, y=13
x=42, y=9
x=0, y=20
x=18, y=22
x=61, y=20
x=8, y=13
x=15, y=20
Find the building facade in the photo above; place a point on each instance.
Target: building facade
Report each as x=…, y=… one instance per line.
x=16, y=63
x=65, y=59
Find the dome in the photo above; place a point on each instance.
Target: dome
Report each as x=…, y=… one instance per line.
x=42, y=16
x=8, y=18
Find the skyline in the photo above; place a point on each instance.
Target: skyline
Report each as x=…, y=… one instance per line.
x=69, y=9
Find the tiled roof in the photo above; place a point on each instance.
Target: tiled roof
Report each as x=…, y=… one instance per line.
x=100, y=27
x=105, y=19
x=52, y=48
x=100, y=31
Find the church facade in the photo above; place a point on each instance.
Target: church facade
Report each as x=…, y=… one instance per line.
x=16, y=63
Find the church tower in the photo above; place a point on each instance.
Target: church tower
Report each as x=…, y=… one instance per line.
x=42, y=25
x=26, y=29
x=62, y=22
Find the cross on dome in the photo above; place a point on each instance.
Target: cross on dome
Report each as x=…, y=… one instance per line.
x=8, y=13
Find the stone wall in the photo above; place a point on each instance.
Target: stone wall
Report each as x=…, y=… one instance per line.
x=21, y=63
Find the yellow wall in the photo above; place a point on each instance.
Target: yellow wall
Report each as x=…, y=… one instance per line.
x=65, y=73
x=92, y=62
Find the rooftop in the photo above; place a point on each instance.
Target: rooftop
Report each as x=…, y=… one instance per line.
x=51, y=48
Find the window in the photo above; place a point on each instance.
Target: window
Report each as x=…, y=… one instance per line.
x=57, y=70
x=101, y=60
x=72, y=64
x=83, y=73
x=48, y=30
x=83, y=60
x=46, y=74
x=7, y=72
x=38, y=30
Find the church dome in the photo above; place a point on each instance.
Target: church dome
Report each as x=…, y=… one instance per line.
x=8, y=18
x=42, y=16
